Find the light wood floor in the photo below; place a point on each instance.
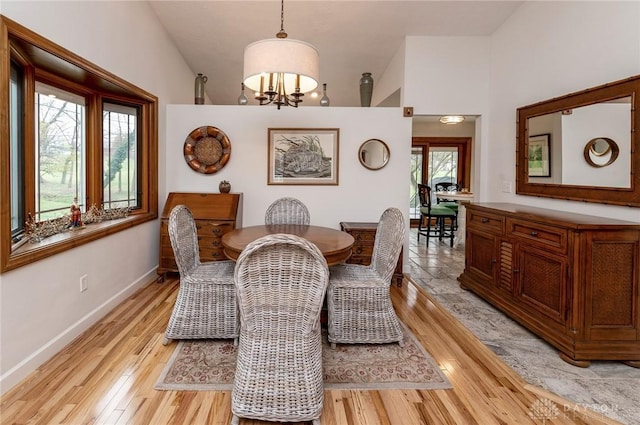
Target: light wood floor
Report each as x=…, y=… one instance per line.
x=106, y=376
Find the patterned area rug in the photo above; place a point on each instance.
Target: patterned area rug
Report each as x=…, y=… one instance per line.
x=210, y=365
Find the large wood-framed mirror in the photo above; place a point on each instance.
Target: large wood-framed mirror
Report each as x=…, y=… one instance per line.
x=552, y=137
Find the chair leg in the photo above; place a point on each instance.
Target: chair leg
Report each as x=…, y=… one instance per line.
x=315, y=422
x=453, y=225
x=235, y=420
x=166, y=341
x=428, y=229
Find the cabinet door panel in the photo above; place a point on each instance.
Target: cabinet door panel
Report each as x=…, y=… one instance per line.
x=612, y=300
x=542, y=283
x=481, y=255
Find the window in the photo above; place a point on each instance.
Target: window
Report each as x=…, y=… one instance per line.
x=120, y=159
x=16, y=155
x=77, y=135
x=60, y=173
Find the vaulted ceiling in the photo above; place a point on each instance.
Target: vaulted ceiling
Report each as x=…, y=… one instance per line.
x=352, y=37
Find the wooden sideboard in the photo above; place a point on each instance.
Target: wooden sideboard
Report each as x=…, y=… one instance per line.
x=214, y=213
x=571, y=279
x=364, y=235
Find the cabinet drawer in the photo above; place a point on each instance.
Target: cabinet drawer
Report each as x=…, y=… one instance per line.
x=212, y=254
x=209, y=243
x=168, y=263
x=213, y=228
x=166, y=251
x=365, y=238
x=357, y=259
x=485, y=221
x=547, y=237
x=365, y=250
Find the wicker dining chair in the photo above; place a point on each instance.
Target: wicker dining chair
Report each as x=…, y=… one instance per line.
x=287, y=211
x=206, y=305
x=358, y=298
x=281, y=281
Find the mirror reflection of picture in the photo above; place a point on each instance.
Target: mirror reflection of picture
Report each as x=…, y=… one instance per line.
x=539, y=156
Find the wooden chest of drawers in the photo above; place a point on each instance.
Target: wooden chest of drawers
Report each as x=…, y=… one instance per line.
x=215, y=214
x=364, y=235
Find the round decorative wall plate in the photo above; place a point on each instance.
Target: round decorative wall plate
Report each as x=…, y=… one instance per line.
x=207, y=149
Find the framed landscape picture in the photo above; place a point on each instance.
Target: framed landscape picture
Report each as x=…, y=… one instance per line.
x=539, y=160
x=303, y=156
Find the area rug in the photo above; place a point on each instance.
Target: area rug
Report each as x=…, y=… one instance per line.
x=210, y=365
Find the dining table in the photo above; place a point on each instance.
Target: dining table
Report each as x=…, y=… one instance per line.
x=334, y=244
x=462, y=198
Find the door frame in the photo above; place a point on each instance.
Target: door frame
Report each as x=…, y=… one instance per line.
x=464, y=157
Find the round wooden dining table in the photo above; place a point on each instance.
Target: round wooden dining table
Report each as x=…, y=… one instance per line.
x=334, y=244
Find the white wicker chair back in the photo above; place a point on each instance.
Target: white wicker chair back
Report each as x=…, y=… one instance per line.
x=287, y=211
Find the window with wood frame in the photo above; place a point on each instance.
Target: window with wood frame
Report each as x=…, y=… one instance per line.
x=76, y=134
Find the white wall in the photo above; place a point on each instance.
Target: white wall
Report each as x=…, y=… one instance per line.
x=362, y=194
x=612, y=120
x=447, y=75
x=391, y=80
x=546, y=50
x=41, y=307
x=450, y=76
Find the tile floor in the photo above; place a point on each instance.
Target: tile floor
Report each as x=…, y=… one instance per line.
x=611, y=388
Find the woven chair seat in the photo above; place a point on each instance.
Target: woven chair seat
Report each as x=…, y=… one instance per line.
x=214, y=272
x=355, y=275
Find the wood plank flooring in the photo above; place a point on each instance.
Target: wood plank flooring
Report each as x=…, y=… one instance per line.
x=106, y=376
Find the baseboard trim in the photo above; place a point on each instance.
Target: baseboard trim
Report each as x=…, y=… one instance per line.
x=13, y=376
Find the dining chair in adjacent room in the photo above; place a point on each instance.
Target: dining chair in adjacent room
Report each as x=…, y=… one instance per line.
x=358, y=298
x=435, y=218
x=287, y=211
x=206, y=305
x=444, y=202
x=281, y=281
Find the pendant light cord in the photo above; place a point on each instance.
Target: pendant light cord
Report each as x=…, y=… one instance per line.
x=282, y=33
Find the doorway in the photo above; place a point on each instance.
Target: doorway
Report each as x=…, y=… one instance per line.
x=437, y=160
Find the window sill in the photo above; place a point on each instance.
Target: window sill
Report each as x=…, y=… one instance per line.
x=27, y=253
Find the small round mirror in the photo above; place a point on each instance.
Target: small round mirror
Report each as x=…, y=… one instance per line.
x=601, y=151
x=373, y=154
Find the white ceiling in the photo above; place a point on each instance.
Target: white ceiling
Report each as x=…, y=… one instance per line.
x=352, y=37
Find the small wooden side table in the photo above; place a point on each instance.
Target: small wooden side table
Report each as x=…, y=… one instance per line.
x=364, y=235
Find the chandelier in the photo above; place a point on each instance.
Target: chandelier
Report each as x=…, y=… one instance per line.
x=280, y=70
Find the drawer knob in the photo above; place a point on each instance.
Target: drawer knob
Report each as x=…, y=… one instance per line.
x=534, y=233
x=493, y=261
x=485, y=220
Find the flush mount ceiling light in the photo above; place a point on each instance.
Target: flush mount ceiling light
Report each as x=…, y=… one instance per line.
x=451, y=119
x=280, y=70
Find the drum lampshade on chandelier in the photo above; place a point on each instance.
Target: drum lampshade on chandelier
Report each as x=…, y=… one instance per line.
x=280, y=70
